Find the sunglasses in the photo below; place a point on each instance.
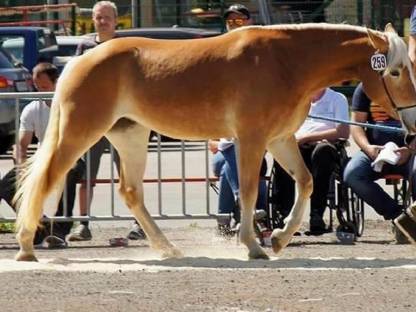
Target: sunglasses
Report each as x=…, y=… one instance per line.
x=236, y=21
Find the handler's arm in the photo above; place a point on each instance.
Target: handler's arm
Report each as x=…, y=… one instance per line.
x=360, y=137
x=25, y=138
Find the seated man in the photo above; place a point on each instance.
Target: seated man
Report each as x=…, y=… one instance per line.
x=359, y=173
x=33, y=121
x=315, y=138
x=225, y=167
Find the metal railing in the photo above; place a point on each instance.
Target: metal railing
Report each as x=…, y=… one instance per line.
x=157, y=150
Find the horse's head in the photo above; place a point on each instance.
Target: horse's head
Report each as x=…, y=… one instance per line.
x=395, y=87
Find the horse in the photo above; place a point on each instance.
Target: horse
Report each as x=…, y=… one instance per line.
x=253, y=84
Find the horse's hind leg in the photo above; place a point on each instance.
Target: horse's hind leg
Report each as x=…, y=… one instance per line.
x=287, y=154
x=131, y=139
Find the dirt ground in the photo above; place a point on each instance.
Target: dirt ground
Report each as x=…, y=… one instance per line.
x=312, y=274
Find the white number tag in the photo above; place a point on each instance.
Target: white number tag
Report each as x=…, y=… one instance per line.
x=378, y=62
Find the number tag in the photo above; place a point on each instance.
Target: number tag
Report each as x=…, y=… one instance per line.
x=378, y=62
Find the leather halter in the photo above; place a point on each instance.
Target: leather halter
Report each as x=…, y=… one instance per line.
x=407, y=138
x=393, y=104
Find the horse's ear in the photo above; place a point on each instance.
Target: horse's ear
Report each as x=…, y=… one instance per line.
x=378, y=40
x=389, y=28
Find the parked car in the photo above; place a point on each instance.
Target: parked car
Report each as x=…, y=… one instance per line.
x=168, y=33
x=67, y=46
x=13, y=78
x=29, y=44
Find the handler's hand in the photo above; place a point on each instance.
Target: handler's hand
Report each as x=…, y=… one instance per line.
x=373, y=150
x=213, y=146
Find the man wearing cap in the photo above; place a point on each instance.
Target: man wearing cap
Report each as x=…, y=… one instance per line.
x=237, y=15
x=224, y=161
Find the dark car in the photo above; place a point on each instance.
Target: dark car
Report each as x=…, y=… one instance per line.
x=13, y=78
x=67, y=46
x=168, y=33
x=29, y=44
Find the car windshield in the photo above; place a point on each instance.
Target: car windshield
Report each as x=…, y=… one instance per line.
x=67, y=50
x=13, y=45
x=46, y=39
x=5, y=62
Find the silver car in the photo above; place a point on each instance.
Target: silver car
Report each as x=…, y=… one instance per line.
x=13, y=78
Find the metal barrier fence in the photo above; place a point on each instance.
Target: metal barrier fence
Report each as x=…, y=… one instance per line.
x=168, y=166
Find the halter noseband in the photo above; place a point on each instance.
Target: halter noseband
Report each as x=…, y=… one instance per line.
x=393, y=104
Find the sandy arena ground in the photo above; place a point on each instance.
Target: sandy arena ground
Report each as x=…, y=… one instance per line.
x=312, y=274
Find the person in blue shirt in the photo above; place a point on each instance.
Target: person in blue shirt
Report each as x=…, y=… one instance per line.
x=406, y=222
x=359, y=173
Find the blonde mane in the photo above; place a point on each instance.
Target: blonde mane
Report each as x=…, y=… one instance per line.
x=305, y=26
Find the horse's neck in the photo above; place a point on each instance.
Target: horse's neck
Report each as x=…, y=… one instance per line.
x=339, y=56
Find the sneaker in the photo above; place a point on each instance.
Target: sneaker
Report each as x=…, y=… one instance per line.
x=136, y=233
x=81, y=233
x=55, y=242
x=317, y=227
x=260, y=214
x=406, y=223
x=399, y=237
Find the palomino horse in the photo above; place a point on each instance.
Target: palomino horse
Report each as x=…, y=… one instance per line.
x=253, y=84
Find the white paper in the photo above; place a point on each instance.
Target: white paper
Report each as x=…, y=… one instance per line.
x=386, y=155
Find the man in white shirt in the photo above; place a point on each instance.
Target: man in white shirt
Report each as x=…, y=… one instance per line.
x=315, y=138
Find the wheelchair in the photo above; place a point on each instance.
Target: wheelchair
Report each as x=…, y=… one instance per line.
x=341, y=200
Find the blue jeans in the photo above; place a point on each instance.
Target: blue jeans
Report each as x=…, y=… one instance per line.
x=225, y=167
x=360, y=177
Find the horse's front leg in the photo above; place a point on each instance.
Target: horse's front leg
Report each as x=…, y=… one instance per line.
x=286, y=153
x=249, y=162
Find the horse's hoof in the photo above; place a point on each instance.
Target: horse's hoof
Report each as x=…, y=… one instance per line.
x=278, y=243
x=258, y=254
x=172, y=253
x=22, y=256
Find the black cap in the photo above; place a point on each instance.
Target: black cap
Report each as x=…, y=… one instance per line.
x=237, y=8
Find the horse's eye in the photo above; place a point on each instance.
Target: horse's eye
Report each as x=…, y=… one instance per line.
x=395, y=73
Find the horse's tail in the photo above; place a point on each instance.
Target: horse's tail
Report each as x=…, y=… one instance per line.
x=33, y=179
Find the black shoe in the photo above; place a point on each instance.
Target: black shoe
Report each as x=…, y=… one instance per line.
x=317, y=227
x=55, y=242
x=136, y=233
x=317, y=231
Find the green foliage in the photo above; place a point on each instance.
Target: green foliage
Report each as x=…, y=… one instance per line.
x=6, y=227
